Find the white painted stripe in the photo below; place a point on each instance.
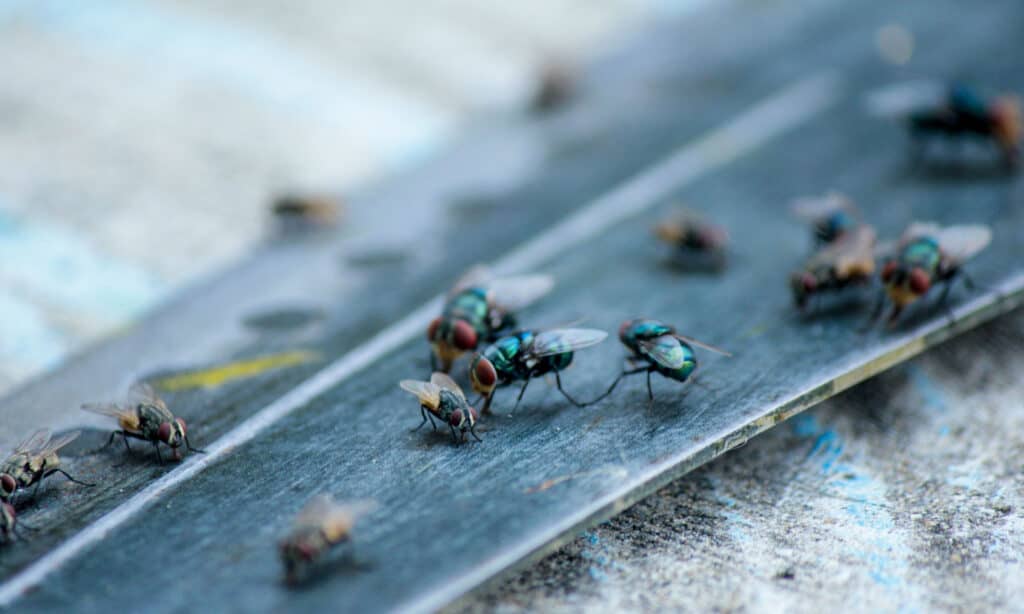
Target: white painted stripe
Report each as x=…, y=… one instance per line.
x=770, y=118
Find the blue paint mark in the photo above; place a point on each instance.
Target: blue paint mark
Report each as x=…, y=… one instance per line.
x=867, y=498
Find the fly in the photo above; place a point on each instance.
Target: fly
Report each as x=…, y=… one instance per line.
x=32, y=461
x=442, y=398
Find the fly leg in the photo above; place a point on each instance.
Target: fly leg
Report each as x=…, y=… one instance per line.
x=486, y=409
x=455, y=437
x=189, y=447
x=558, y=382
x=156, y=446
x=472, y=431
x=70, y=479
x=425, y=414
x=650, y=392
x=522, y=390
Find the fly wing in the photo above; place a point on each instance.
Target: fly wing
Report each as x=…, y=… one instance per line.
x=961, y=243
x=333, y=517
x=665, y=350
x=855, y=252
x=813, y=208
x=916, y=230
x=34, y=442
x=143, y=392
x=512, y=293
x=901, y=99
x=443, y=381
x=59, y=442
x=562, y=340
x=126, y=416
x=428, y=393
x=701, y=344
x=674, y=226
x=477, y=275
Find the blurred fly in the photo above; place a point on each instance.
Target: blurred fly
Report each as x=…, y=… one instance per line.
x=145, y=416
x=690, y=234
x=526, y=355
x=298, y=213
x=830, y=216
x=320, y=525
x=32, y=461
x=656, y=347
x=480, y=309
x=847, y=261
x=966, y=113
x=929, y=254
x=442, y=398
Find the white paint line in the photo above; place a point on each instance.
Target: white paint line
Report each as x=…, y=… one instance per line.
x=769, y=118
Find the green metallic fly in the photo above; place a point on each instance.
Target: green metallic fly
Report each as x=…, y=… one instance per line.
x=927, y=255
x=480, y=308
x=656, y=347
x=526, y=355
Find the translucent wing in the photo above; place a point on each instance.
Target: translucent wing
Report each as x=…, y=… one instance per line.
x=701, y=344
x=334, y=517
x=34, y=442
x=851, y=254
x=59, y=442
x=960, y=243
x=443, y=381
x=665, y=350
x=428, y=393
x=477, y=275
x=815, y=208
x=512, y=293
x=125, y=415
x=916, y=230
x=562, y=340
x=901, y=99
x=143, y=393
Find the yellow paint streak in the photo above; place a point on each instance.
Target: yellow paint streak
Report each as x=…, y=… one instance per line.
x=219, y=375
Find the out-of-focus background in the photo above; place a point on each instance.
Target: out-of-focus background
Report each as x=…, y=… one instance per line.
x=141, y=143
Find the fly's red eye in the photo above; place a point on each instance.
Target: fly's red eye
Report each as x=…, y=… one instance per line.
x=464, y=337
x=8, y=484
x=888, y=271
x=164, y=432
x=485, y=374
x=456, y=418
x=181, y=423
x=919, y=281
x=306, y=551
x=809, y=282
x=432, y=329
